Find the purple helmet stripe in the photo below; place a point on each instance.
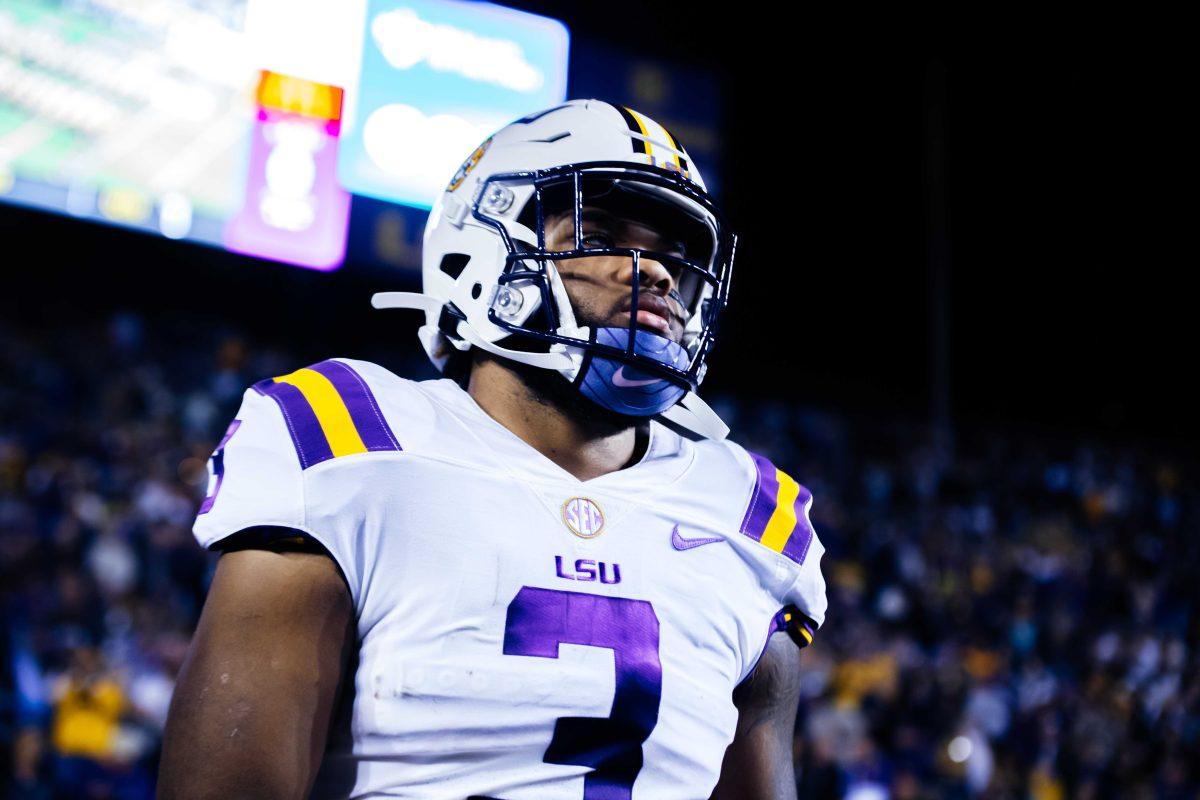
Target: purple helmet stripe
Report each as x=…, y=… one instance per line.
x=762, y=500
x=311, y=445
x=360, y=402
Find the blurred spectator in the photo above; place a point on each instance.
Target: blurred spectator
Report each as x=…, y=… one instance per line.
x=88, y=704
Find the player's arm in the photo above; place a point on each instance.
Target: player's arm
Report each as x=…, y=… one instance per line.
x=254, y=699
x=758, y=764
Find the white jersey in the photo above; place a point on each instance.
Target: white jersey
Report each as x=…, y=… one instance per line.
x=523, y=634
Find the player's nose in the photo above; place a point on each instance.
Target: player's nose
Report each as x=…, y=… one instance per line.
x=651, y=275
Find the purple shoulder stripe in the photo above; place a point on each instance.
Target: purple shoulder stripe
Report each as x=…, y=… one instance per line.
x=764, y=505
x=360, y=402
x=307, y=427
x=762, y=500
x=796, y=547
x=311, y=445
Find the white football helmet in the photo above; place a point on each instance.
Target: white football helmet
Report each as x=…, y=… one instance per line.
x=490, y=282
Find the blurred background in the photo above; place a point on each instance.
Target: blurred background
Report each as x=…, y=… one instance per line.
x=959, y=317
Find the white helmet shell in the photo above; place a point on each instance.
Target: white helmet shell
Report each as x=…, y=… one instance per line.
x=465, y=256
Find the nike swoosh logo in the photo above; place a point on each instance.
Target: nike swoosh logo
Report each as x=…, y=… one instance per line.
x=619, y=379
x=680, y=543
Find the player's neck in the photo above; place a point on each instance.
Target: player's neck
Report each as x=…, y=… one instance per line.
x=556, y=421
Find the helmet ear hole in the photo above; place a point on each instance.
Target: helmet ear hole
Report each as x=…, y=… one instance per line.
x=453, y=264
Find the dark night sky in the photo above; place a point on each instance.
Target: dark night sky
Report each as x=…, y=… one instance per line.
x=1065, y=307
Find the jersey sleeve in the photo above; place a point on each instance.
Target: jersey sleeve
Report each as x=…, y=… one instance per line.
x=254, y=476
x=777, y=516
x=261, y=475
x=256, y=480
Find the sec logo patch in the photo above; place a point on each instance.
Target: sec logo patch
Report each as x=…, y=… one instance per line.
x=583, y=517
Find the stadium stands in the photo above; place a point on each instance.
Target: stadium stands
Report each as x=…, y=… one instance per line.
x=1017, y=619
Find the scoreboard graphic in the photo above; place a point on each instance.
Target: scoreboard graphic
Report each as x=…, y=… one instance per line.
x=247, y=124
x=438, y=78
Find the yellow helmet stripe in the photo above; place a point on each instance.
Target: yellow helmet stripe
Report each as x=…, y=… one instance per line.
x=641, y=123
x=679, y=160
x=635, y=126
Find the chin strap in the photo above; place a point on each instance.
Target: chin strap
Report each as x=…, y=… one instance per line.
x=557, y=358
x=696, y=415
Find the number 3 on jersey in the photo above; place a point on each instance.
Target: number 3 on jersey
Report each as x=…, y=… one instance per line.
x=538, y=621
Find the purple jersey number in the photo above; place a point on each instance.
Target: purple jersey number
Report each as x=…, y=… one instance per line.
x=217, y=462
x=539, y=620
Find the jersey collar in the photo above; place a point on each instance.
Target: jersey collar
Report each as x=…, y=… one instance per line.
x=668, y=455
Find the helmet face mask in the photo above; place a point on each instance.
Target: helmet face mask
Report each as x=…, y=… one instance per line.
x=663, y=200
x=683, y=243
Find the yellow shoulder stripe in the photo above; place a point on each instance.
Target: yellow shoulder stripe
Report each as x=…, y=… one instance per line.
x=783, y=520
x=330, y=409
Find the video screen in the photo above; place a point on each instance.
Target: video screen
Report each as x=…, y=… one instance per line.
x=223, y=122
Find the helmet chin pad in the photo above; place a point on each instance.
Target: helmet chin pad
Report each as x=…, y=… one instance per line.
x=628, y=390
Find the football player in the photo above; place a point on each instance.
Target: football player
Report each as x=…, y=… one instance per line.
x=546, y=575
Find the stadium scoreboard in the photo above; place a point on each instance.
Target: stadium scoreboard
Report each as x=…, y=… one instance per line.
x=249, y=124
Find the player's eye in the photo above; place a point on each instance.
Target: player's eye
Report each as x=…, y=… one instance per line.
x=596, y=240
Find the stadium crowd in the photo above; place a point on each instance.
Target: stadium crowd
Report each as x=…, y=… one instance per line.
x=1012, y=620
